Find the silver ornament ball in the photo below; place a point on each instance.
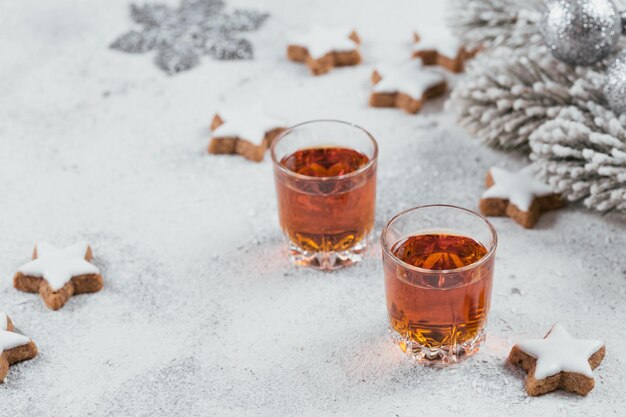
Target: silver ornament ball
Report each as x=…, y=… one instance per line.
x=615, y=85
x=581, y=32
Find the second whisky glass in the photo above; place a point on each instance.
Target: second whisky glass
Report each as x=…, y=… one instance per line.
x=439, y=263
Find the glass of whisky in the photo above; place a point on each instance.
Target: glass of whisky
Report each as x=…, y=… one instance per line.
x=438, y=262
x=325, y=175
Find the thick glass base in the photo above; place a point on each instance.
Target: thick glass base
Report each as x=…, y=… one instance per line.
x=327, y=261
x=439, y=356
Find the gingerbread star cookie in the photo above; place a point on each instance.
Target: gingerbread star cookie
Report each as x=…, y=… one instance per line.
x=325, y=48
x=558, y=361
x=59, y=273
x=437, y=46
x=406, y=86
x=245, y=134
x=14, y=347
x=517, y=195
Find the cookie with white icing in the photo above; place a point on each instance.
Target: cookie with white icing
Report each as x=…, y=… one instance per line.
x=14, y=347
x=406, y=86
x=248, y=135
x=323, y=49
x=558, y=361
x=438, y=46
x=59, y=273
x=517, y=195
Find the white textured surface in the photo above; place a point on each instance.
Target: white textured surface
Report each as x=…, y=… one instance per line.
x=201, y=313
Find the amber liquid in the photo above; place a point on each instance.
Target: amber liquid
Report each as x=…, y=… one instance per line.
x=321, y=213
x=438, y=309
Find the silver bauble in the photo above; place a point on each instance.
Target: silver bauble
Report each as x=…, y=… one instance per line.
x=615, y=86
x=581, y=32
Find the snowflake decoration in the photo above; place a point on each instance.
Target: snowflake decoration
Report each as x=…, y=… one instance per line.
x=181, y=35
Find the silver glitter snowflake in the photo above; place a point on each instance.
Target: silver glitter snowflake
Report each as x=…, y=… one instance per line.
x=182, y=35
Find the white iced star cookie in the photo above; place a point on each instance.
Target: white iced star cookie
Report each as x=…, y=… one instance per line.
x=59, y=273
x=558, y=361
x=438, y=46
x=324, y=48
x=13, y=346
x=248, y=135
x=517, y=195
x=406, y=86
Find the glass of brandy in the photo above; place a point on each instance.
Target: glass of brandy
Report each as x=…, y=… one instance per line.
x=438, y=262
x=325, y=175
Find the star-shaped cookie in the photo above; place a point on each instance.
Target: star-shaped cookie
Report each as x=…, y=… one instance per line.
x=13, y=346
x=437, y=46
x=248, y=135
x=558, y=361
x=406, y=86
x=324, y=48
x=517, y=195
x=59, y=273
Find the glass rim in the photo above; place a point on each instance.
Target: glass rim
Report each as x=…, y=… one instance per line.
x=287, y=171
x=484, y=259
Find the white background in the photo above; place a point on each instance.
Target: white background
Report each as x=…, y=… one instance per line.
x=201, y=313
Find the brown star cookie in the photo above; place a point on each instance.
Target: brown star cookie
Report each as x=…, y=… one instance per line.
x=437, y=47
x=247, y=135
x=558, y=361
x=406, y=86
x=517, y=195
x=324, y=49
x=14, y=347
x=59, y=273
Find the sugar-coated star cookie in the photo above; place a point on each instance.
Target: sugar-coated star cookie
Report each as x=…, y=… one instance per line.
x=248, y=135
x=438, y=46
x=14, y=347
x=558, y=361
x=406, y=86
x=517, y=195
x=324, y=48
x=59, y=273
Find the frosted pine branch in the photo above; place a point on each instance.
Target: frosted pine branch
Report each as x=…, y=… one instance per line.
x=508, y=93
x=515, y=95
x=490, y=23
x=582, y=154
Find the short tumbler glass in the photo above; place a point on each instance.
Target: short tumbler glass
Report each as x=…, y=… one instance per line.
x=438, y=315
x=325, y=175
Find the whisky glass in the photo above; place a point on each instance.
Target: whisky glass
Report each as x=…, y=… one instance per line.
x=325, y=176
x=438, y=264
